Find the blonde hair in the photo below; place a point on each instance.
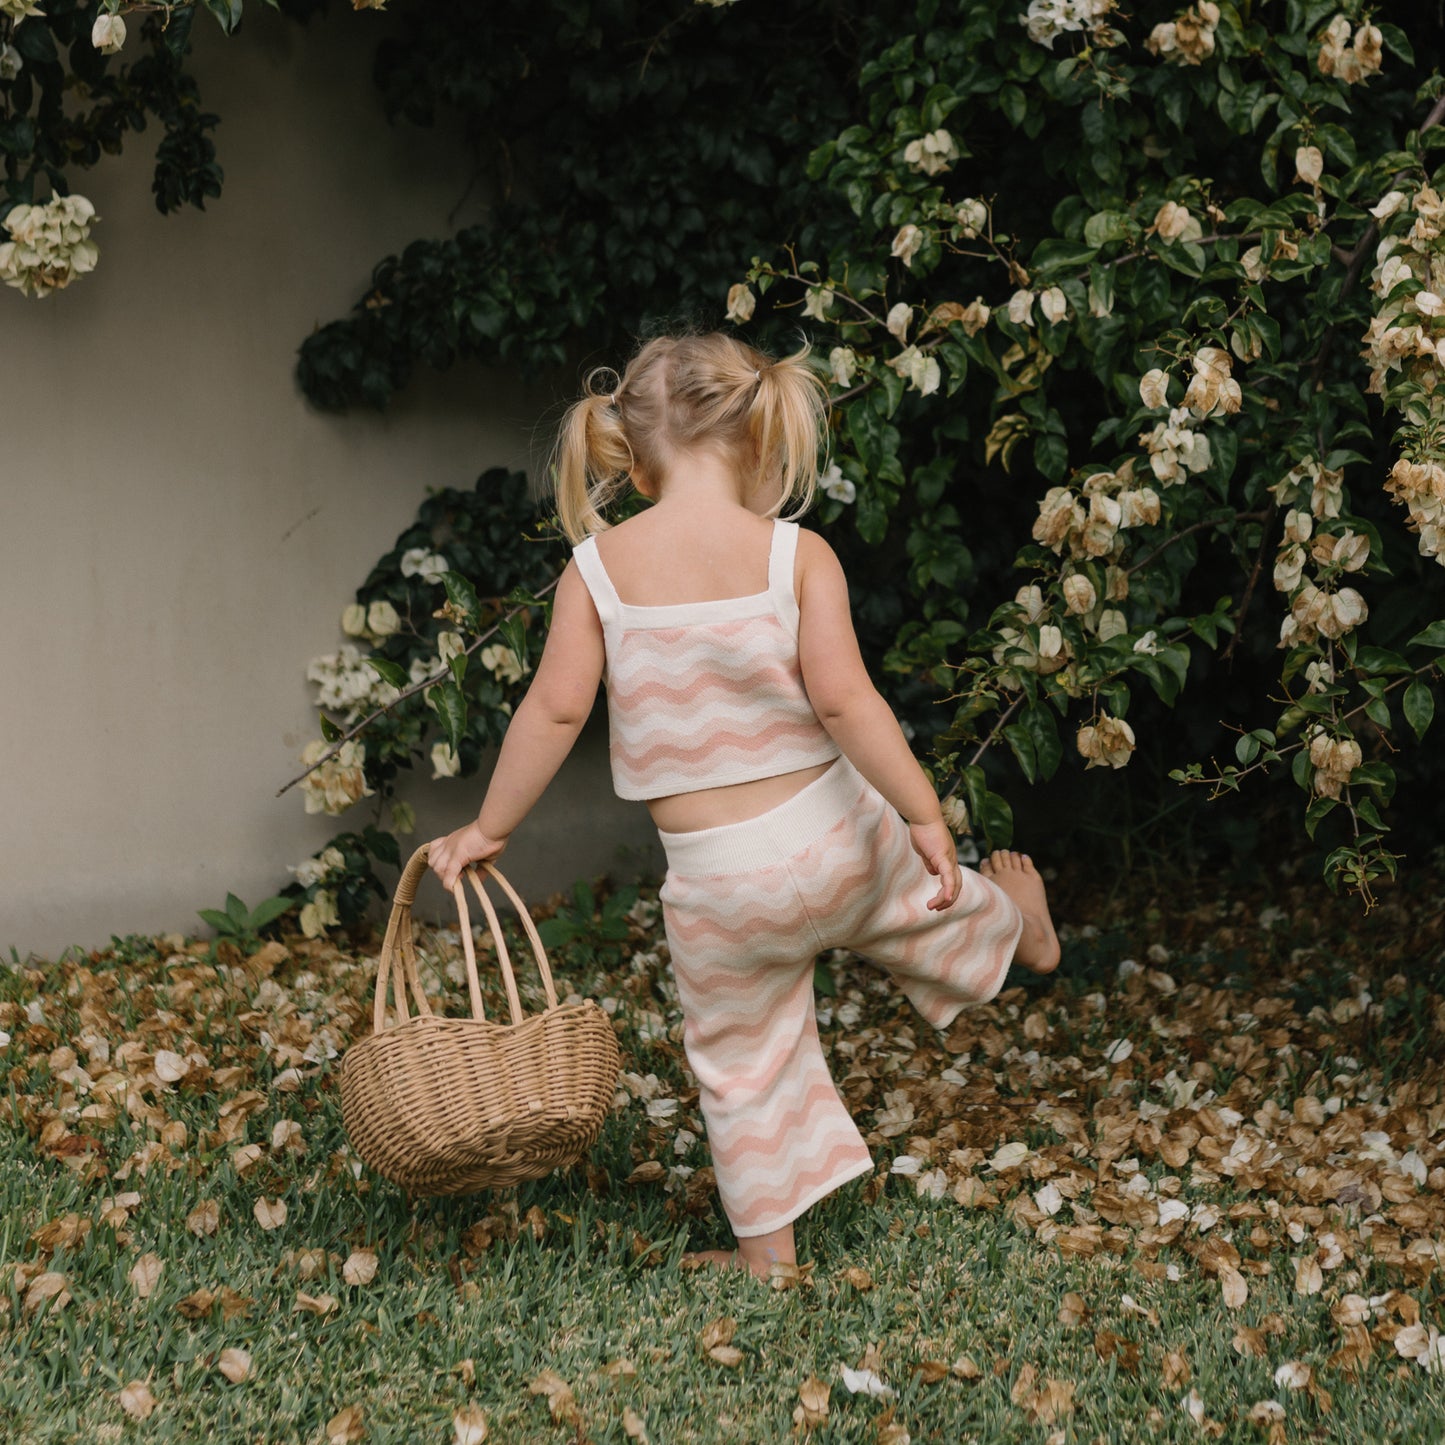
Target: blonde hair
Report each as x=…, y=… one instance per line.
x=680, y=392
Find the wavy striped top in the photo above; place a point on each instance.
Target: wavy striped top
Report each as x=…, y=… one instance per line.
x=702, y=694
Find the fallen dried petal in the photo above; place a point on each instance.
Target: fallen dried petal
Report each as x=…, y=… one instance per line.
x=145, y=1274
x=136, y=1400
x=345, y=1427
x=360, y=1266
x=270, y=1213
x=470, y=1426
x=205, y=1219
x=234, y=1364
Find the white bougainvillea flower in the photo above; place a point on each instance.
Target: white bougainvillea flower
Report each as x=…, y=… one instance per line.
x=1021, y=308
x=975, y=316
x=1174, y=222
x=1139, y=507
x=339, y=781
x=1344, y=612
x=1080, y=595
x=420, y=562
x=906, y=243
x=931, y=154
x=1387, y=205
x=1346, y=61
x=450, y=645
x=1112, y=623
x=1427, y=303
x=836, y=485
x=444, y=761
x=503, y=663
x=1030, y=599
x=353, y=620
x=1046, y=20
x=1154, y=388
x=17, y=10
x=1107, y=742
x=843, y=362
x=1298, y=525
x=382, y=619
x=1288, y=566
x=1054, y=304
x=972, y=217
x=955, y=815
x=1334, y=760
x=817, y=302
x=108, y=33
x=741, y=303
x=921, y=372
x=1188, y=39
x=1309, y=165
x=900, y=317
x=49, y=245
x=11, y=62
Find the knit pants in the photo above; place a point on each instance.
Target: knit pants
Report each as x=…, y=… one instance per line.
x=747, y=907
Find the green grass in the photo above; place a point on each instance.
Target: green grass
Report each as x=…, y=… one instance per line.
x=602, y=1284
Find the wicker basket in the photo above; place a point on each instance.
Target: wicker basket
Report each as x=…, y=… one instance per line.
x=452, y=1105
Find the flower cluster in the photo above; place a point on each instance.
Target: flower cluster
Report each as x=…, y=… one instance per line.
x=921, y=372
x=1407, y=333
x=1187, y=39
x=1106, y=742
x=1175, y=448
x=741, y=303
x=1420, y=488
x=338, y=782
x=319, y=913
x=375, y=622
x=108, y=33
x=49, y=245
x=1333, y=760
x=345, y=683
x=1350, y=61
x=1174, y=222
x=1046, y=20
x=837, y=486
x=1115, y=503
x=418, y=562
x=933, y=153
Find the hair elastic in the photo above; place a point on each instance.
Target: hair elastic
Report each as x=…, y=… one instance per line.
x=613, y=399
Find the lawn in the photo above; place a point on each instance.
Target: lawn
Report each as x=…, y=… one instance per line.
x=1193, y=1187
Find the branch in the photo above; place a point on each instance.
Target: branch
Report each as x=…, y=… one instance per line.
x=1195, y=527
x=415, y=688
x=1003, y=717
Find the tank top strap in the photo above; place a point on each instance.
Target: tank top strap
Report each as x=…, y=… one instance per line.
x=780, y=572
x=599, y=584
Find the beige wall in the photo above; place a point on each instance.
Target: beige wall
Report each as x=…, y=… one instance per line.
x=179, y=530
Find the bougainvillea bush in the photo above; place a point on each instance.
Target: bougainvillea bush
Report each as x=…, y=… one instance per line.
x=1131, y=325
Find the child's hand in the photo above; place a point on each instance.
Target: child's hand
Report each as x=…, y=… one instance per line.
x=934, y=844
x=448, y=856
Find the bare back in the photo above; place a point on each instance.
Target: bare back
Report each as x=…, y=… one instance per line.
x=701, y=553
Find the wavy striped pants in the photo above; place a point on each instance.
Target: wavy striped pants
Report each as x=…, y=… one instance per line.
x=747, y=908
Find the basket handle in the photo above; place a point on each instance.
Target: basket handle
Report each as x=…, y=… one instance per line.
x=404, y=976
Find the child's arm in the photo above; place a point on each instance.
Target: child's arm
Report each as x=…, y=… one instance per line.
x=856, y=716
x=540, y=734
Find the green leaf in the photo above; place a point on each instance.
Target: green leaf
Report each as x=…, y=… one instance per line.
x=227, y=13
x=329, y=731
x=1106, y=226
x=463, y=596
x=452, y=709
x=1419, y=706
x=388, y=671
x=1042, y=727
x=1432, y=636
x=236, y=910
x=1018, y=739
x=217, y=920
x=1317, y=811
x=269, y=911
x=823, y=981
x=1246, y=749
x=1053, y=252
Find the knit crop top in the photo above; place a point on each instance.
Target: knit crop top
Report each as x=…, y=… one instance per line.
x=703, y=694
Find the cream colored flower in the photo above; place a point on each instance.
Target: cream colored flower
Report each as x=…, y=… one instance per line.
x=921, y=372
x=1031, y=600
x=50, y=244
x=1387, y=205
x=450, y=645
x=1174, y=223
x=108, y=33
x=1334, y=760
x=1309, y=165
x=843, y=362
x=900, y=318
x=419, y=562
x=353, y=620
x=382, y=619
x=503, y=663
x=403, y=818
x=1059, y=515
x=1054, y=304
x=1154, y=388
x=741, y=303
x=1298, y=526
x=11, y=62
x=955, y=815
x=1427, y=303
x=17, y=10
x=1021, y=308
x=1288, y=566
x=1209, y=390
x=1252, y=264
x=933, y=154
x=444, y=761
x=906, y=243
x=1080, y=594
x=817, y=302
x=1107, y=742
x=975, y=316
x=1139, y=507
x=1344, y=611
x=1112, y=624
x=1188, y=39
x=972, y=217
x=337, y=783
x=837, y=486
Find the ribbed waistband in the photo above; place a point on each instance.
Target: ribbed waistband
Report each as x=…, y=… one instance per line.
x=771, y=837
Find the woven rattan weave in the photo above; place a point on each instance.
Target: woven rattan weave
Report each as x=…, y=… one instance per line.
x=452, y=1105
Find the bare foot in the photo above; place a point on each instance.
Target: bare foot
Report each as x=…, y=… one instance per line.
x=757, y=1253
x=1038, y=948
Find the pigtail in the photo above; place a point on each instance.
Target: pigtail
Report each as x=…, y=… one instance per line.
x=591, y=462
x=787, y=422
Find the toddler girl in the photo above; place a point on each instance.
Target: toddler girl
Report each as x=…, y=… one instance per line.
x=793, y=814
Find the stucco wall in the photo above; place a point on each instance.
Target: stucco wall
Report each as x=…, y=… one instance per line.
x=179, y=530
